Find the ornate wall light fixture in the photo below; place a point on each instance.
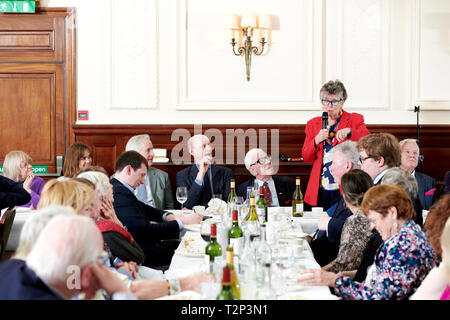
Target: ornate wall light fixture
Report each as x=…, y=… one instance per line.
x=250, y=27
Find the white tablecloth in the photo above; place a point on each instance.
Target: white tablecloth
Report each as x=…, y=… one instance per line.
x=185, y=264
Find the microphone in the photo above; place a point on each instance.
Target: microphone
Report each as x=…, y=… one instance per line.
x=324, y=123
x=324, y=120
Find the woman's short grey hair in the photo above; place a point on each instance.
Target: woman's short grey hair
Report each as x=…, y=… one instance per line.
x=334, y=87
x=100, y=180
x=13, y=161
x=251, y=156
x=349, y=151
x=401, y=143
x=134, y=144
x=33, y=226
x=65, y=244
x=403, y=179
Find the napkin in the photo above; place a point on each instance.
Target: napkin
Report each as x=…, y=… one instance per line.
x=216, y=206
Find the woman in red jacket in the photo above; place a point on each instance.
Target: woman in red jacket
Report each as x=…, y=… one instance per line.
x=319, y=143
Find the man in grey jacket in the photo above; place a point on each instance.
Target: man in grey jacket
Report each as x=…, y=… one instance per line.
x=156, y=191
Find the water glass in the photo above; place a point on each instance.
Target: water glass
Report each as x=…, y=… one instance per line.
x=182, y=195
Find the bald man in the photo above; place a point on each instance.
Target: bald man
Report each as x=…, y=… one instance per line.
x=203, y=179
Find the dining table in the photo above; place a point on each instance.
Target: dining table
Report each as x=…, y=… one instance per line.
x=190, y=259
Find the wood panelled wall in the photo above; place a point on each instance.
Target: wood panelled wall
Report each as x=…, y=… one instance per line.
x=108, y=142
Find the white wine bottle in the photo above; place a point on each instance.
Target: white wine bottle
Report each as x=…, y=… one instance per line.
x=297, y=200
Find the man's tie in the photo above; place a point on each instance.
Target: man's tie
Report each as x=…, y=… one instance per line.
x=207, y=192
x=267, y=194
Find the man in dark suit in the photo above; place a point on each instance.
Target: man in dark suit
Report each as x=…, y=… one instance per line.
x=156, y=190
x=428, y=193
x=148, y=225
x=325, y=244
x=203, y=179
x=45, y=276
x=12, y=193
x=278, y=190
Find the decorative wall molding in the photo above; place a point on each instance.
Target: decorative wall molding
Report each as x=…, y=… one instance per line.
x=361, y=60
x=134, y=55
x=418, y=79
x=309, y=101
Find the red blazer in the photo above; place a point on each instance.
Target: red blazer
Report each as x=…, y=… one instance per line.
x=311, y=153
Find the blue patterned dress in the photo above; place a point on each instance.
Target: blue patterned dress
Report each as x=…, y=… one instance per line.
x=401, y=264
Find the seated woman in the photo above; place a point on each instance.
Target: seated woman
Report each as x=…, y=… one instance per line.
x=17, y=167
x=401, y=263
x=118, y=239
x=356, y=230
x=77, y=157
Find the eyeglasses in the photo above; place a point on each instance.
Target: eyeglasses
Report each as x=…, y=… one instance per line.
x=361, y=160
x=263, y=160
x=413, y=153
x=333, y=102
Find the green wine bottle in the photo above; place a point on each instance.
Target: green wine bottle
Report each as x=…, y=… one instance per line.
x=226, y=292
x=213, y=249
x=235, y=287
x=261, y=206
x=235, y=235
x=297, y=200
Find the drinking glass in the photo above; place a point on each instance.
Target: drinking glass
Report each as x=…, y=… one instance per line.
x=239, y=203
x=205, y=230
x=182, y=195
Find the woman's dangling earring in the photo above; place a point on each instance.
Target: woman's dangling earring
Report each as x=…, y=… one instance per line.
x=395, y=225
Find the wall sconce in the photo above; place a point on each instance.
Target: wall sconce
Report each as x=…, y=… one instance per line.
x=248, y=28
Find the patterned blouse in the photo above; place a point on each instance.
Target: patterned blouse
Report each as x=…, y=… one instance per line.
x=355, y=235
x=400, y=265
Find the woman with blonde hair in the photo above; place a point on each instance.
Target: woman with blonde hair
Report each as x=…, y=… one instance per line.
x=77, y=157
x=17, y=167
x=70, y=193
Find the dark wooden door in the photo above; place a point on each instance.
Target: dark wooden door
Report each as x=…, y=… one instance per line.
x=37, y=84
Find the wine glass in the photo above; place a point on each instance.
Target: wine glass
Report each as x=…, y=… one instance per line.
x=205, y=230
x=182, y=195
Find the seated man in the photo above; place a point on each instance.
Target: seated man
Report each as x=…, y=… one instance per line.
x=203, y=179
x=12, y=194
x=44, y=275
x=428, y=194
x=156, y=190
x=148, y=225
x=325, y=245
x=278, y=190
x=378, y=152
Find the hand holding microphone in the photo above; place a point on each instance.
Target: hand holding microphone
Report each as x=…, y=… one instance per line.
x=323, y=133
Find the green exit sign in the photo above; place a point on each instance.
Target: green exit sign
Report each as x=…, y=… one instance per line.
x=36, y=170
x=18, y=6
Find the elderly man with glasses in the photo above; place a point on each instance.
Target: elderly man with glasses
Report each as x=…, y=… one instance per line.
x=322, y=134
x=428, y=193
x=278, y=190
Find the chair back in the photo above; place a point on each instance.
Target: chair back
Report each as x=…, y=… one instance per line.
x=6, y=223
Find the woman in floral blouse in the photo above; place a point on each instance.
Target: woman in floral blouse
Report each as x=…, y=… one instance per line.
x=402, y=261
x=356, y=230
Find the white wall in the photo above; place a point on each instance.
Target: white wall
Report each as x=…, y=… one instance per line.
x=391, y=55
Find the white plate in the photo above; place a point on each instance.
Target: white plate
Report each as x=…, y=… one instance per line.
x=192, y=227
